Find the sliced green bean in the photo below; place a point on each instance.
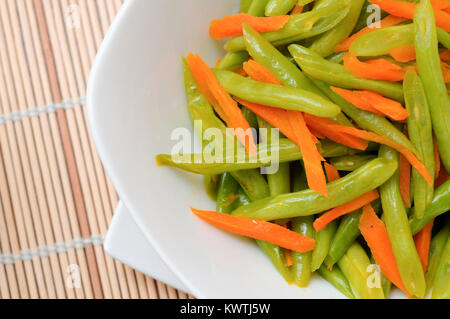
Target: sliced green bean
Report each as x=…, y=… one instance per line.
x=439, y=205
x=355, y=266
x=276, y=256
x=399, y=230
x=382, y=41
x=421, y=135
x=323, y=242
x=336, y=74
x=211, y=183
x=429, y=65
x=308, y=202
x=253, y=183
x=245, y=5
x=441, y=283
x=276, y=95
x=325, y=44
x=363, y=20
x=279, y=7
x=227, y=193
x=250, y=117
x=337, y=279
x=337, y=57
x=258, y=7
x=233, y=60
x=351, y=162
x=443, y=37
x=300, y=26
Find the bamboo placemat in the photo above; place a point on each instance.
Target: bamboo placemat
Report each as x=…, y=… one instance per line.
x=56, y=200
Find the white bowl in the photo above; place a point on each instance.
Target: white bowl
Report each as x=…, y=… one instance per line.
x=135, y=100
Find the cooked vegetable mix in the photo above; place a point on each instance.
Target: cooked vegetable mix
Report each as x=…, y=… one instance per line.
x=325, y=138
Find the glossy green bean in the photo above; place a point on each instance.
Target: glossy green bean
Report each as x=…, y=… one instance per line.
x=301, y=262
x=366, y=13
x=276, y=256
x=443, y=37
x=437, y=246
x=232, y=60
x=227, y=193
x=287, y=152
x=308, y=202
x=350, y=162
x=337, y=279
x=324, y=45
x=257, y=8
x=336, y=74
x=429, y=65
x=279, y=7
x=355, y=266
x=439, y=205
x=399, y=230
x=211, y=183
x=337, y=57
x=276, y=95
x=382, y=41
x=245, y=5
x=323, y=243
x=300, y=26
x=421, y=135
x=253, y=183
x=441, y=283
x=250, y=117
x=367, y=120
x=385, y=283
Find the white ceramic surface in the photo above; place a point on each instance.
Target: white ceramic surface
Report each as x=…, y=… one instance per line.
x=135, y=100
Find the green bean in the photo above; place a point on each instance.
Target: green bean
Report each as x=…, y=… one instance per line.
x=399, y=230
x=363, y=20
x=242, y=198
x=355, y=265
x=257, y=8
x=301, y=262
x=382, y=41
x=337, y=279
x=323, y=242
x=326, y=42
x=421, y=135
x=253, y=183
x=429, y=65
x=441, y=283
x=439, y=205
x=276, y=256
x=250, y=117
x=443, y=37
x=350, y=162
x=279, y=7
x=336, y=74
x=304, y=2
x=385, y=283
x=245, y=5
x=287, y=152
x=233, y=60
x=437, y=246
x=300, y=26
x=211, y=183
x=337, y=57
x=367, y=120
x=276, y=95
x=308, y=202
x=227, y=193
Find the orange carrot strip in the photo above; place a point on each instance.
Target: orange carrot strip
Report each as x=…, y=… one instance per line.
x=356, y=100
x=375, y=233
x=232, y=25
x=437, y=158
x=317, y=134
x=311, y=156
x=297, y=9
x=222, y=102
x=258, y=229
x=332, y=172
x=405, y=181
x=386, y=22
x=404, y=53
x=287, y=252
x=422, y=241
x=390, y=108
x=322, y=222
x=260, y=73
x=241, y=71
x=406, y=10
x=369, y=136
x=445, y=56
x=378, y=69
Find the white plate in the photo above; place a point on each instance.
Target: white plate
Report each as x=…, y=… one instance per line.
x=135, y=100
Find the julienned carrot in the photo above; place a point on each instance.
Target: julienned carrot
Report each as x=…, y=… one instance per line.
x=422, y=241
x=296, y=127
x=437, y=158
x=222, y=102
x=405, y=181
x=406, y=10
x=386, y=22
x=297, y=9
x=378, y=69
x=375, y=233
x=332, y=172
x=390, y=108
x=258, y=229
x=241, y=71
x=369, y=136
x=404, y=53
x=232, y=25
x=355, y=99
x=445, y=56
x=322, y=222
